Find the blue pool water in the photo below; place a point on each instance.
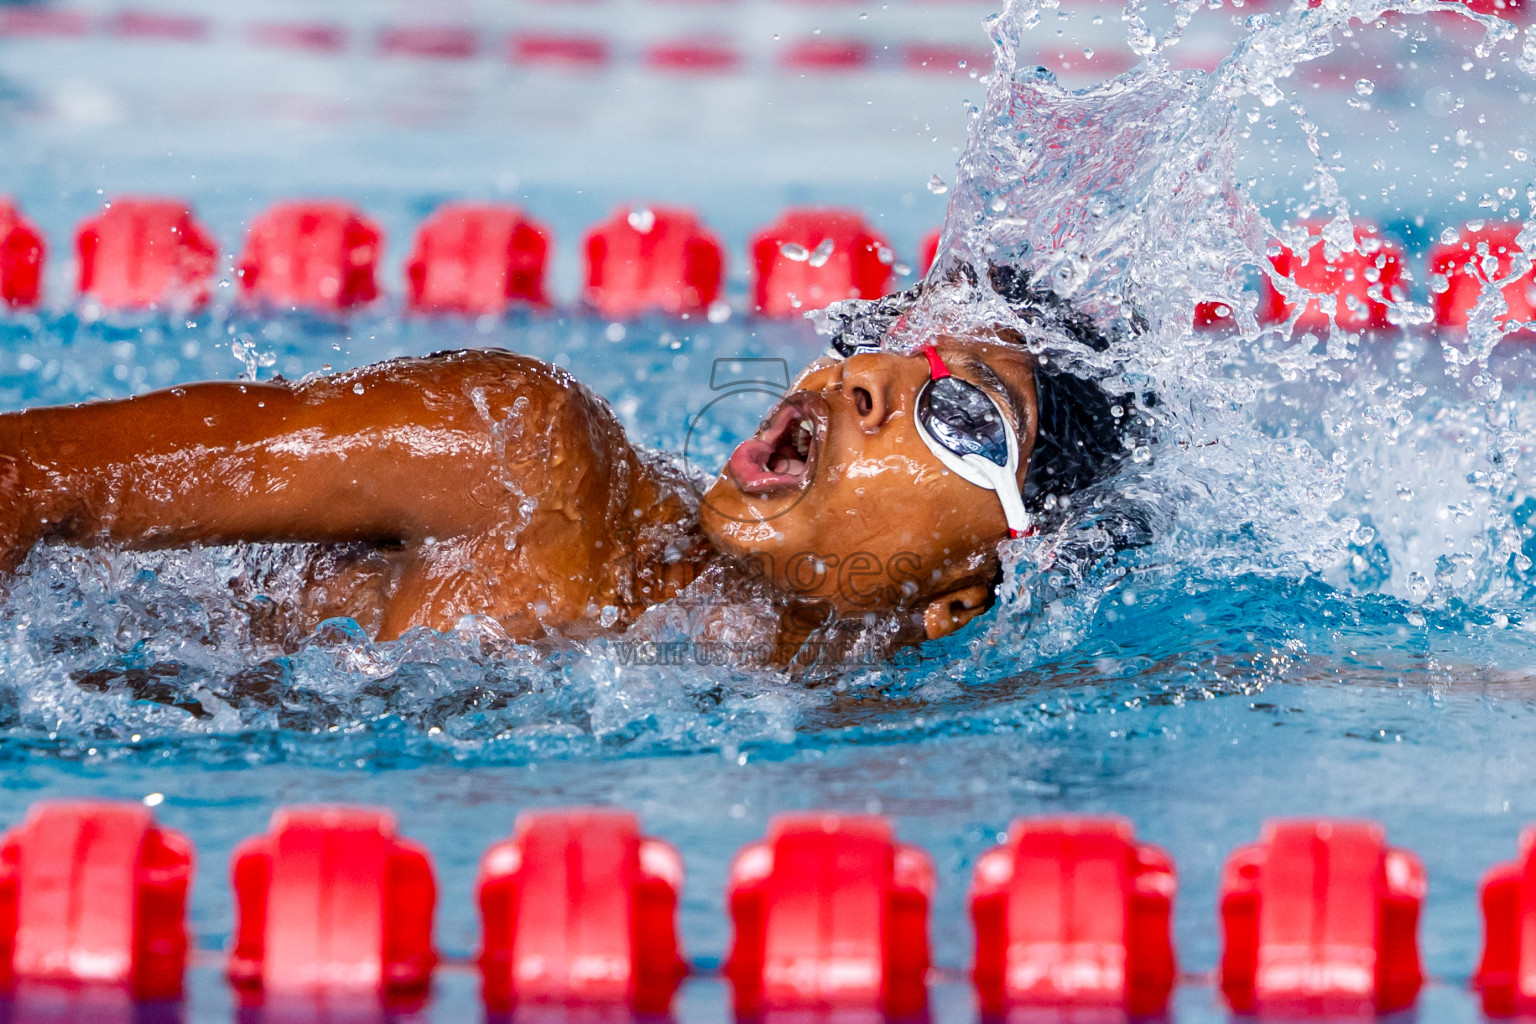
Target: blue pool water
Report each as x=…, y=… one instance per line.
x=1336, y=618
x=1209, y=702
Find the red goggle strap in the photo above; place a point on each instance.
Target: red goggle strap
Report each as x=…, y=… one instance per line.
x=936, y=368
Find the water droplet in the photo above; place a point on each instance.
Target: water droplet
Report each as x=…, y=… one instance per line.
x=823, y=252
x=795, y=251
x=936, y=185
x=642, y=220
x=1364, y=86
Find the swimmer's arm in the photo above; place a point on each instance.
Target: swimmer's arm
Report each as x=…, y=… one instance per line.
x=382, y=459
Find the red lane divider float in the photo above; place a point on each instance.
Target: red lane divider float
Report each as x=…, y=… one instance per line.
x=693, y=56
x=1506, y=975
x=321, y=255
x=652, y=259
x=480, y=259
x=810, y=258
x=1459, y=270
x=31, y=22
x=144, y=253
x=22, y=251
x=154, y=25
x=440, y=41
x=332, y=900
x=1073, y=912
x=314, y=37
x=1359, y=282
x=830, y=911
x=94, y=893
x=828, y=55
x=459, y=41
x=579, y=907
x=558, y=50
x=1321, y=917
x=1213, y=314
x=477, y=259
x=1511, y=9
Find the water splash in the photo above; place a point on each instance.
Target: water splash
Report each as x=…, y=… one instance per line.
x=1272, y=452
x=1295, y=486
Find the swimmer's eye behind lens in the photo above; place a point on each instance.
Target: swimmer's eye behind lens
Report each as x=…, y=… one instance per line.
x=964, y=419
x=965, y=428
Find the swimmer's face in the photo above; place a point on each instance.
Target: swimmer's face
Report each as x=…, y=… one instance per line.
x=838, y=498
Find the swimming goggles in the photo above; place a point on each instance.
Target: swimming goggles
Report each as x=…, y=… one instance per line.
x=966, y=429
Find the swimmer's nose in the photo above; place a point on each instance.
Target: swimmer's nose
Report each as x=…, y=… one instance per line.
x=869, y=385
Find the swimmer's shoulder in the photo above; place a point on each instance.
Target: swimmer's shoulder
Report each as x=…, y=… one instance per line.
x=484, y=384
x=450, y=372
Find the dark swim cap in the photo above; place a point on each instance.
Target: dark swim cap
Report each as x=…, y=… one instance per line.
x=1080, y=435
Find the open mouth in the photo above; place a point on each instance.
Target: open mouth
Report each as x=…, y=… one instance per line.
x=781, y=456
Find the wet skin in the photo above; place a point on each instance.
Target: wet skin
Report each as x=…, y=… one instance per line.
x=877, y=523
x=487, y=483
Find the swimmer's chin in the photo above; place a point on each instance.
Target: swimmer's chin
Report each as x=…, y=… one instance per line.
x=732, y=520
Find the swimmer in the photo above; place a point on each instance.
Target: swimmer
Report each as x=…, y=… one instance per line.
x=491, y=484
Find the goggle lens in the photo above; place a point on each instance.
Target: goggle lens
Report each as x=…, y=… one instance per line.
x=964, y=419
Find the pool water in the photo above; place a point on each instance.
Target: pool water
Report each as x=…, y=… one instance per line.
x=1196, y=703
x=1335, y=620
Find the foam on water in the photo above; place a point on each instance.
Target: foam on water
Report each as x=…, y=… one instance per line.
x=1387, y=465
x=1318, y=507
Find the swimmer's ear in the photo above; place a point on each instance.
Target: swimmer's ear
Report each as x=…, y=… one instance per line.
x=949, y=612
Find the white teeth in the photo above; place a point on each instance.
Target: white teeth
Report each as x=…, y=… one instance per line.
x=802, y=438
